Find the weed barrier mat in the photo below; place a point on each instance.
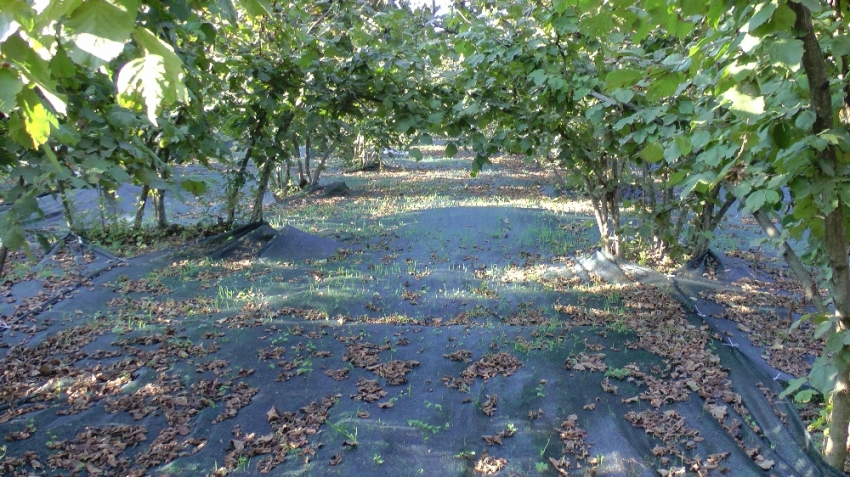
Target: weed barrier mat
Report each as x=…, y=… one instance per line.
x=458, y=341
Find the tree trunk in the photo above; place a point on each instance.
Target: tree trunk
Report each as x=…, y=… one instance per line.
x=835, y=235
x=4, y=252
x=302, y=181
x=288, y=176
x=600, y=212
x=159, y=200
x=66, y=207
x=321, y=166
x=268, y=167
x=239, y=180
x=708, y=221
x=308, y=152
x=262, y=186
x=140, y=209
x=810, y=288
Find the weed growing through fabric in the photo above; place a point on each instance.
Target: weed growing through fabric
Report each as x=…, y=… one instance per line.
x=304, y=367
x=619, y=326
x=428, y=428
x=351, y=436
x=539, y=391
x=619, y=373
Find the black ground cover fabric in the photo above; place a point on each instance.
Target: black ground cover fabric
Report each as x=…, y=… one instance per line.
x=442, y=342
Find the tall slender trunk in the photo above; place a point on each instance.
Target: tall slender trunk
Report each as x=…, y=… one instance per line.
x=268, y=167
x=324, y=159
x=66, y=206
x=835, y=235
x=239, y=180
x=708, y=221
x=302, y=181
x=101, y=207
x=4, y=253
x=262, y=186
x=308, y=152
x=288, y=177
x=159, y=201
x=799, y=270
x=140, y=207
x=319, y=168
x=603, y=219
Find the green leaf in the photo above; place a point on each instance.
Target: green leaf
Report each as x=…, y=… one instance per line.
x=763, y=12
x=693, y=7
x=38, y=120
x=140, y=85
x=35, y=69
x=13, y=15
x=781, y=134
x=150, y=178
x=61, y=65
x=684, y=144
x=18, y=52
x=451, y=149
x=841, y=45
x=415, y=153
x=824, y=327
x=152, y=81
x=663, y=86
x=822, y=376
x=179, y=9
x=43, y=241
x=622, y=78
x=793, y=385
x=10, y=86
x=13, y=236
x=699, y=139
x=99, y=30
x=197, y=188
x=55, y=10
x=479, y=162
x=228, y=11
x=256, y=8
x=803, y=319
x=538, y=76
x=743, y=105
x=209, y=33
x=652, y=153
x=771, y=197
x=786, y=52
x=805, y=395
x=676, y=178
x=805, y=120
x=560, y=5
x=464, y=48
x=307, y=59
x=623, y=95
x=755, y=200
